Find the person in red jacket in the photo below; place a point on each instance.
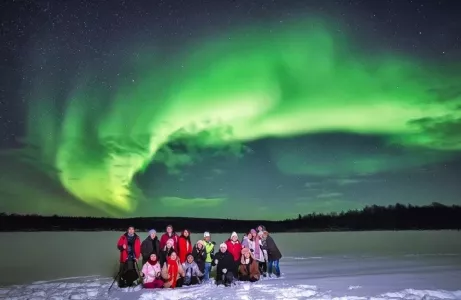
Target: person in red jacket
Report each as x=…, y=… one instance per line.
x=129, y=245
x=169, y=234
x=234, y=247
x=185, y=245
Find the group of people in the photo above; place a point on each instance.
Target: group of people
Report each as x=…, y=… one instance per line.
x=173, y=261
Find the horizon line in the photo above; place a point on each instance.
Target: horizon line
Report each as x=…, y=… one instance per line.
x=231, y=219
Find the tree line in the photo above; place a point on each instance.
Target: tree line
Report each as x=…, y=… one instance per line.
x=435, y=216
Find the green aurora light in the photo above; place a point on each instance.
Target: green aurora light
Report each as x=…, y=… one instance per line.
x=241, y=87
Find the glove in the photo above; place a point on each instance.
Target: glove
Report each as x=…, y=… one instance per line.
x=216, y=261
x=252, y=250
x=224, y=271
x=213, y=242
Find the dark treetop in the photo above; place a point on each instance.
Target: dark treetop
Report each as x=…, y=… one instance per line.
x=393, y=217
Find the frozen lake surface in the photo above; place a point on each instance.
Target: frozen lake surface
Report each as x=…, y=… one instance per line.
x=332, y=265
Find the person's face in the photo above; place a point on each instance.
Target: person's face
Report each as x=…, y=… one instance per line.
x=234, y=238
x=250, y=236
x=260, y=228
x=223, y=249
x=169, y=245
x=131, y=230
x=186, y=233
x=247, y=255
x=169, y=230
x=153, y=257
x=253, y=234
x=173, y=256
x=199, y=246
x=190, y=259
x=153, y=235
x=207, y=238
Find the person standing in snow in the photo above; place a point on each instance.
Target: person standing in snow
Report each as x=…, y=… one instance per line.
x=166, y=251
x=209, y=250
x=184, y=245
x=256, y=249
x=263, y=264
x=234, y=247
x=200, y=255
x=150, y=245
x=169, y=234
x=247, y=241
x=273, y=253
x=129, y=246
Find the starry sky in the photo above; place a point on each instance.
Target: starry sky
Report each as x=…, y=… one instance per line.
x=244, y=109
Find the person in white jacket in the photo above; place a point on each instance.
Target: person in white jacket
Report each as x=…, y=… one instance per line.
x=192, y=271
x=151, y=273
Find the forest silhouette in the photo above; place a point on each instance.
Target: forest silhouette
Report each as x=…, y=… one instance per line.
x=435, y=216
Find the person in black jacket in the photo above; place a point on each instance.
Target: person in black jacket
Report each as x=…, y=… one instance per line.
x=273, y=253
x=199, y=254
x=166, y=252
x=225, y=266
x=151, y=245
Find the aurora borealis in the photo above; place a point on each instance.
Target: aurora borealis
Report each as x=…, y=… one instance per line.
x=281, y=117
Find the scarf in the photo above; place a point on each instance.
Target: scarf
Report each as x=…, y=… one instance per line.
x=172, y=272
x=152, y=262
x=130, y=242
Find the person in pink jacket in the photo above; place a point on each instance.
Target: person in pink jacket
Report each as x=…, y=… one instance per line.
x=151, y=273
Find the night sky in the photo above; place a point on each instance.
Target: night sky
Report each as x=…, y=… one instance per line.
x=239, y=109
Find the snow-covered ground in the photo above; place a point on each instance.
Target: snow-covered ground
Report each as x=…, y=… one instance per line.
x=373, y=265
x=408, y=277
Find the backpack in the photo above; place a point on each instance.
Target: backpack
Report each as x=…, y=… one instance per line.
x=129, y=275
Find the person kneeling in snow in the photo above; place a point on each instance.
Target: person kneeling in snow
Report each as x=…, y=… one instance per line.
x=172, y=272
x=224, y=262
x=249, y=267
x=192, y=271
x=151, y=273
